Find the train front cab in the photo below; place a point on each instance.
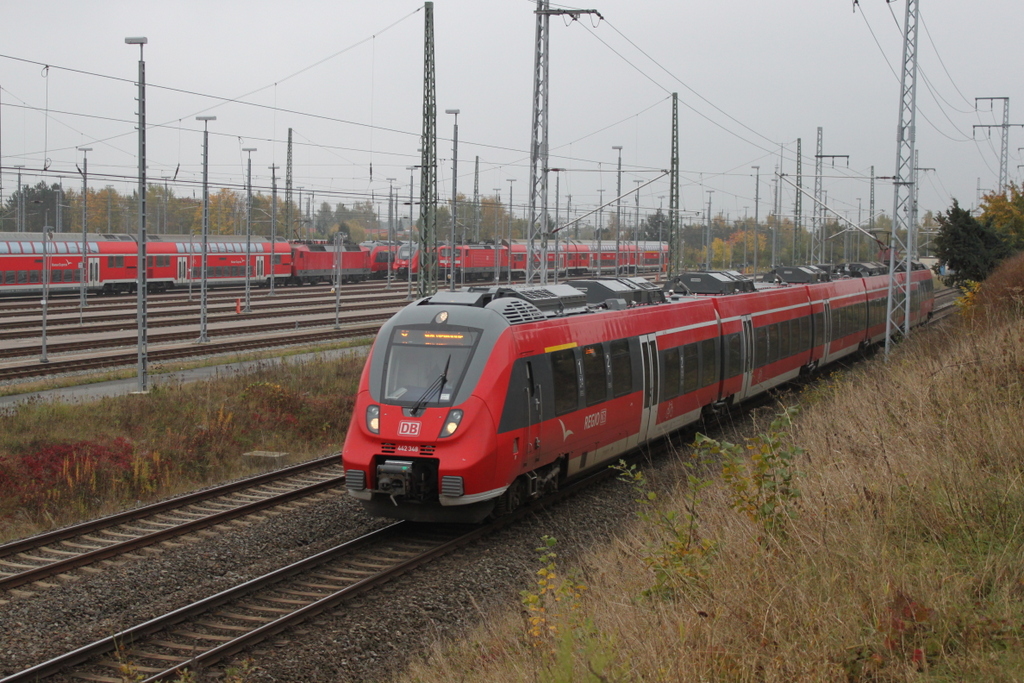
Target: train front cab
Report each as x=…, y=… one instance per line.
x=423, y=437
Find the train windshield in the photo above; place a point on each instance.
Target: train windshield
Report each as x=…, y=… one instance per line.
x=426, y=366
x=404, y=251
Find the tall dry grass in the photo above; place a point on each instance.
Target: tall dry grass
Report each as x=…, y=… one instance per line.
x=903, y=558
x=60, y=462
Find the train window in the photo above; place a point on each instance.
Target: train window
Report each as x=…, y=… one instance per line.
x=805, y=334
x=15, y=247
x=595, y=378
x=196, y=272
x=691, y=360
x=62, y=247
x=74, y=275
x=563, y=371
x=36, y=246
x=4, y=249
x=94, y=248
x=277, y=259
x=818, y=329
x=670, y=374
x=760, y=346
x=9, y=277
x=733, y=355
x=622, y=368
x=33, y=276
x=787, y=338
x=22, y=277
x=709, y=362
x=773, y=343
x=56, y=276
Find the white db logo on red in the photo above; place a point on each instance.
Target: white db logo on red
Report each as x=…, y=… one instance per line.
x=408, y=428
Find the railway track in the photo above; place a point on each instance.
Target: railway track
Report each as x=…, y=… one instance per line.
x=217, y=346
x=219, y=627
x=39, y=557
x=225, y=313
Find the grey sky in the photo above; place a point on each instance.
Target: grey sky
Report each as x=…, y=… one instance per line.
x=766, y=73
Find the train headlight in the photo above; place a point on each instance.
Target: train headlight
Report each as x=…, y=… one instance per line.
x=373, y=419
x=451, y=423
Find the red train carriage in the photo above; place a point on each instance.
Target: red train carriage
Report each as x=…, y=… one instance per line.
x=473, y=401
x=176, y=260
x=110, y=262
x=313, y=263
x=382, y=256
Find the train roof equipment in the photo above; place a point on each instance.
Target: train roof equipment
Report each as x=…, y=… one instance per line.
x=631, y=290
x=709, y=282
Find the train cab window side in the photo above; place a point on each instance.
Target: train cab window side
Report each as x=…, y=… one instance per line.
x=733, y=355
x=595, y=378
x=564, y=380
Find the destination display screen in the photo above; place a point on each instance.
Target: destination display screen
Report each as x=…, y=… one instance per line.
x=421, y=337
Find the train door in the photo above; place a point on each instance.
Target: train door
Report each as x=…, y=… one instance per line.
x=747, y=347
x=182, y=270
x=260, y=268
x=94, y=271
x=651, y=371
x=532, y=396
x=826, y=332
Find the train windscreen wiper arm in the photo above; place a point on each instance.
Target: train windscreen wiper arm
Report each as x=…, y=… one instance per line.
x=437, y=385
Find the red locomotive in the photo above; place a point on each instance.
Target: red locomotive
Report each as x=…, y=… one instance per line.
x=474, y=401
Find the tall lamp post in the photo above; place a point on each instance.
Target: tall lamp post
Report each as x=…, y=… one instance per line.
x=497, y=237
x=248, y=226
x=203, y=338
x=618, y=211
x=510, y=181
x=455, y=178
x=412, y=223
x=141, y=285
x=83, y=293
x=273, y=224
x=47, y=236
x=757, y=201
x=391, y=226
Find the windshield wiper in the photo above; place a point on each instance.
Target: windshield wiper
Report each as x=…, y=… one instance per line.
x=437, y=385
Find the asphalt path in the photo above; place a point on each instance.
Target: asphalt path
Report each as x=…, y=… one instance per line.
x=88, y=392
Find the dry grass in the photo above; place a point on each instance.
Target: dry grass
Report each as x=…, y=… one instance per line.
x=60, y=462
x=904, y=558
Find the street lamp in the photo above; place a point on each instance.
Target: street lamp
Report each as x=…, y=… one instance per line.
x=757, y=201
x=83, y=296
x=510, y=181
x=203, y=338
x=248, y=225
x=47, y=235
x=618, y=209
x=140, y=270
x=497, y=236
x=391, y=226
x=455, y=177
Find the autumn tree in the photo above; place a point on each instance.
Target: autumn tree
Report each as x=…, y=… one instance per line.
x=1004, y=212
x=971, y=249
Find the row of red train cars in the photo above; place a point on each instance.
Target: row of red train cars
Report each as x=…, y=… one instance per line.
x=172, y=261
x=111, y=261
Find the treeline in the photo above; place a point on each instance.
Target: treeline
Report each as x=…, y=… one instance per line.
x=111, y=212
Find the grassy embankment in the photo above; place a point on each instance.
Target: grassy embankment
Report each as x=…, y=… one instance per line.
x=61, y=463
x=879, y=537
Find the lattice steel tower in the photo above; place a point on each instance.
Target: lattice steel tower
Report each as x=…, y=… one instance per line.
x=537, y=227
x=674, y=233
x=426, y=284
x=898, y=303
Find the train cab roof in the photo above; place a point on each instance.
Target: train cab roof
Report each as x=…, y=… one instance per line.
x=710, y=282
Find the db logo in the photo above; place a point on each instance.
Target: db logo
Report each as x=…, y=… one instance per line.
x=408, y=428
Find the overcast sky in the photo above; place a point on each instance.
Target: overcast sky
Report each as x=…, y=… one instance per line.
x=348, y=78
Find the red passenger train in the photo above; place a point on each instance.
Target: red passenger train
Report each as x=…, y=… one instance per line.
x=473, y=401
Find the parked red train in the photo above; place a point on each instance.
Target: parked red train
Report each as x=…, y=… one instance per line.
x=172, y=261
x=474, y=401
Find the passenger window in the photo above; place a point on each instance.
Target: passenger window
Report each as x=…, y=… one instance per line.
x=563, y=371
x=760, y=346
x=735, y=355
x=594, y=376
x=622, y=368
x=708, y=362
x=690, y=368
x=773, y=343
x=670, y=374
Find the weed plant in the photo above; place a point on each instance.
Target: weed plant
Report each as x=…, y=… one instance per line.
x=60, y=463
x=879, y=537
